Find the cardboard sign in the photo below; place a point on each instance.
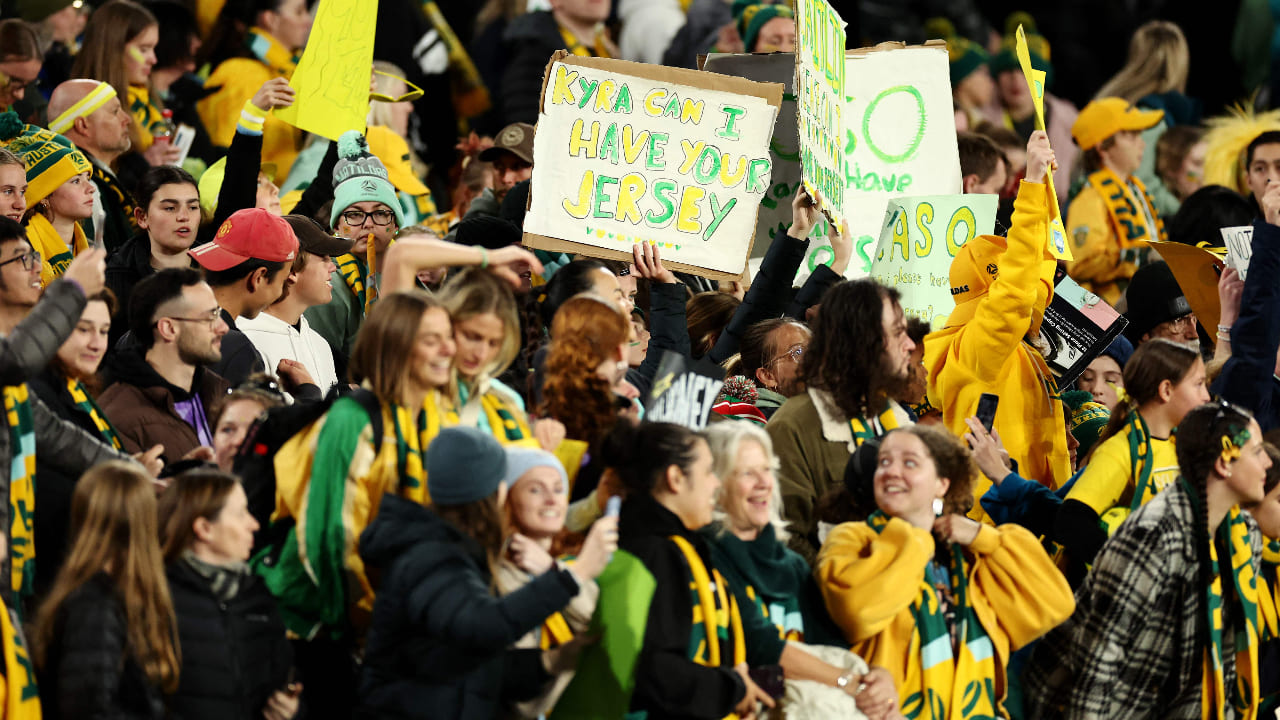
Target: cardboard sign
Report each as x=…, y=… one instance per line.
x=820, y=91
x=1078, y=326
x=1239, y=243
x=628, y=153
x=784, y=152
x=332, y=78
x=900, y=136
x=920, y=238
x=1197, y=271
x=680, y=395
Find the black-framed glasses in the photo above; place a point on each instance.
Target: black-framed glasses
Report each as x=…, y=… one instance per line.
x=355, y=218
x=30, y=260
x=795, y=352
x=211, y=318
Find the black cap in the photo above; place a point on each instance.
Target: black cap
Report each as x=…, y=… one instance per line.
x=1153, y=297
x=487, y=231
x=313, y=239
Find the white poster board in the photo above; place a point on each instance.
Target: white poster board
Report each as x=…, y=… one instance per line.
x=1239, y=242
x=630, y=153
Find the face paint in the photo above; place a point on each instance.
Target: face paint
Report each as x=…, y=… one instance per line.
x=135, y=53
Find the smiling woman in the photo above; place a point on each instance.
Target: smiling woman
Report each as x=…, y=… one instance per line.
x=21, y=62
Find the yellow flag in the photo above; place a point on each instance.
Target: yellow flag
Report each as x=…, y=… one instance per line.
x=332, y=79
x=1058, y=246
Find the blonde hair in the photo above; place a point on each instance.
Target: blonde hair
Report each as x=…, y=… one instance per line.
x=113, y=512
x=1158, y=63
x=725, y=440
x=475, y=292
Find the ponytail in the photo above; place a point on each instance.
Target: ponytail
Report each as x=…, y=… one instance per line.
x=1151, y=364
x=640, y=454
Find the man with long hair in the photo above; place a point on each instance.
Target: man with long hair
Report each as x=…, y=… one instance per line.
x=856, y=363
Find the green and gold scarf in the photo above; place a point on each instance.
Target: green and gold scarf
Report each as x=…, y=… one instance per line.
x=413, y=436
x=86, y=405
x=864, y=431
x=1141, y=458
x=271, y=53
x=353, y=274
x=22, y=491
x=717, y=623
x=953, y=679
x=1129, y=219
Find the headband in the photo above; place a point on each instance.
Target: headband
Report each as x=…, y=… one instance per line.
x=85, y=107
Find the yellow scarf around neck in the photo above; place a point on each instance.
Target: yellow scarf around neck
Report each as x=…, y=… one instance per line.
x=54, y=253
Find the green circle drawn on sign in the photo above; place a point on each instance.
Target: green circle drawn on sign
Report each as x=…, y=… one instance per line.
x=866, y=124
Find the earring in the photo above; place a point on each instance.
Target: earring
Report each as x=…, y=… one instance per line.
x=937, y=507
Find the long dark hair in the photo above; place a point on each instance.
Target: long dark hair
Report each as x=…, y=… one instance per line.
x=846, y=353
x=1152, y=363
x=640, y=454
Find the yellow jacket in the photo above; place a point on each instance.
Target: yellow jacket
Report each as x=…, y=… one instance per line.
x=986, y=353
x=239, y=79
x=870, y=581
x=1105, y=259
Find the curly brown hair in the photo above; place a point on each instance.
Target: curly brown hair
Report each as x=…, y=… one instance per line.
x=585, y=332
x=952, y=461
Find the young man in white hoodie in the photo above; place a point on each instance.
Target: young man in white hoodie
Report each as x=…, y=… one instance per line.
x=280, y=333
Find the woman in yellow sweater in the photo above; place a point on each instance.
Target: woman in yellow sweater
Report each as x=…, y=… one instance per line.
x=942, y=617
x=244, y=60
x=1135, y=457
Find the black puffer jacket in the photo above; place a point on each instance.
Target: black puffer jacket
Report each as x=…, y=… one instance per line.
x=438, y=644
x=89, y=671
x=234, y=654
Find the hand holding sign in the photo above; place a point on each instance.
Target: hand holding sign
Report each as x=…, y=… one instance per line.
x=804, y=215
x=1040, y=157
x=1035, y=82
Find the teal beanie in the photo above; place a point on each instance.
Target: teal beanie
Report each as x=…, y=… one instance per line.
x=359, y=176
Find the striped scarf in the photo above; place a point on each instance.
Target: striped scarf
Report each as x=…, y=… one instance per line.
x=354, y=274
x=87, y=406
x=413, y=436
x=864, y=431
x=147, y=116
x=506, y=421
x=575, y=47
x=21, y=697
x=1234, y=531
x=951, y=684
x=54, y=253
x=281, y=60
x=1128, y=218
x=22, y=491
x=717, y=624
x=1141, y=458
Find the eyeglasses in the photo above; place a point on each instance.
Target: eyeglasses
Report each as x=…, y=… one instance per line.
x=211, y=319
x=794, y=352
x=355, y=218
x=30, y=260
x=1180, y=324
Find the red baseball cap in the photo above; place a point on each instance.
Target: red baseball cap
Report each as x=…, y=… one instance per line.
x=251, y=234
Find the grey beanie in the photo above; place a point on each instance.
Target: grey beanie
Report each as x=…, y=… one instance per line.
x=464, y=465
x=521, y=460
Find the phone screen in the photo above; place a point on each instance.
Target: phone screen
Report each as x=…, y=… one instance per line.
x=986, y=413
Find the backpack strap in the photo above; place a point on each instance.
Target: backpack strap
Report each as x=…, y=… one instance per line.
x=373, y=407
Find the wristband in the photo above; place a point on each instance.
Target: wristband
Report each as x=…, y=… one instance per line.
x=1224, y=336
x=1224, y=328
x=484, y=257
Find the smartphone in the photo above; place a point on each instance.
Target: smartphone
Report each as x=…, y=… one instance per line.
x=613, y=506
x=986, y=413
x=770, y=679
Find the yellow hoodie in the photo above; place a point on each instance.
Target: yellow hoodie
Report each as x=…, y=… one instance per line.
x=870, y=582
x=1000, y=296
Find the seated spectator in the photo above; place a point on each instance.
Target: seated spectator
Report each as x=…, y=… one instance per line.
x=365, y=211
x=1180, y=161
x=162, y=387
x=237, y=412
x=990, y=591
x=105, y=638
x=858, y=357
x=120, y=48
x=511, y=160
x=533, y=517
x=1140, y=642
x=90, y=114
x=13, y=185
x=252, y=43
x=765, y=27
x=1157, y=308
x=1267, y=515
x=1104, y=375
x=21, y=61
x=168, y=214
x=173, y=80
x=59, y=195
x=281, y=333
x=67, y=387
x=573, y=25
x=772, y=352
x=983, y=168
x=236, y=661
x=708, y=314
x=440, y=638
x=973, y=90
x=245, y=265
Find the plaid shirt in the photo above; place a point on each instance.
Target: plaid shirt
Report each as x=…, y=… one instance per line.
x=1135, y=646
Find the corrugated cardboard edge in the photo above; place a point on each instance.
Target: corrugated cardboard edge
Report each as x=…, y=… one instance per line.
x=769, y=92
x=896, y=45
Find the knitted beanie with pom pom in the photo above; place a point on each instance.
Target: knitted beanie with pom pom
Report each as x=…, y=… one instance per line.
x=359, y=176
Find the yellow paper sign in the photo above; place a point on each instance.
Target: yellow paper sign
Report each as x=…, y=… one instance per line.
x=332, y=79
x=1058, y=246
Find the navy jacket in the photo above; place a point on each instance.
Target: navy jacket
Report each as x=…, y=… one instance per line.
x=1248, y=378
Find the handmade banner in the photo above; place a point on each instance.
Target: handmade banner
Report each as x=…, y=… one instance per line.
x=900, y=136
x=1197, y=271
x=784, y=153
x=1239, y=243
x=920, y=238
x=1035, y=85
x=331, y=81
x=680, y=394
x=627, y=152
x=820, y=91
